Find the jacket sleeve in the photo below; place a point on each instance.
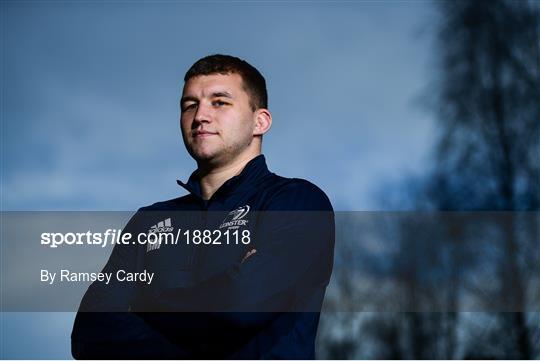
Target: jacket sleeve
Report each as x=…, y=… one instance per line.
x=103, y=328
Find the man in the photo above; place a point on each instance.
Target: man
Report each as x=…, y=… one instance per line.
x=257, y=295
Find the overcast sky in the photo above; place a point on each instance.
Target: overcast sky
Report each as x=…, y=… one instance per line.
x=90, y=108
x=90, y=116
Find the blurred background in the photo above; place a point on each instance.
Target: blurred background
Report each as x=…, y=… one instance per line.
x=409, y=106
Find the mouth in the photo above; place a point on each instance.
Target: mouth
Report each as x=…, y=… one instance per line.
x=203, y=133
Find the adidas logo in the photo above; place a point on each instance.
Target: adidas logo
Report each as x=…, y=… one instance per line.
x=162, y=227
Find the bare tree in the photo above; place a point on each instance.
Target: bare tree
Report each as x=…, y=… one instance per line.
x=489, y=110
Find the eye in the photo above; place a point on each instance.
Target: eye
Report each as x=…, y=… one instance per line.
x=219, y=103
x=188, y=106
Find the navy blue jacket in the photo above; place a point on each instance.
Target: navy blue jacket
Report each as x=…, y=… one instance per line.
x=207, y=301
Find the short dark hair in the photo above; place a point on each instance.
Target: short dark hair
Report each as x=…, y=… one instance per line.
x=253, y=81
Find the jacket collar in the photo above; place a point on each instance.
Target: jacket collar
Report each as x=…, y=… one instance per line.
x=254, y=170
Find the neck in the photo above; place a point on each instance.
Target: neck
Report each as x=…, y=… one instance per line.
x=211, y=178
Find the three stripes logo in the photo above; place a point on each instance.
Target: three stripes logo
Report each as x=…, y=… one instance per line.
x=164, y=226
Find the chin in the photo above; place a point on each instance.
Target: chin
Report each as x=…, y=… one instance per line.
x=202, y=153
x=206, y=157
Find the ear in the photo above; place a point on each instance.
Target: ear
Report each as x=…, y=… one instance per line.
x=263, y=121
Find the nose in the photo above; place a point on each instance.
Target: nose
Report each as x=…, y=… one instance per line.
x=202, y=115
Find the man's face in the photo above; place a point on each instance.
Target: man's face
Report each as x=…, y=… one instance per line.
x=216, y=118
